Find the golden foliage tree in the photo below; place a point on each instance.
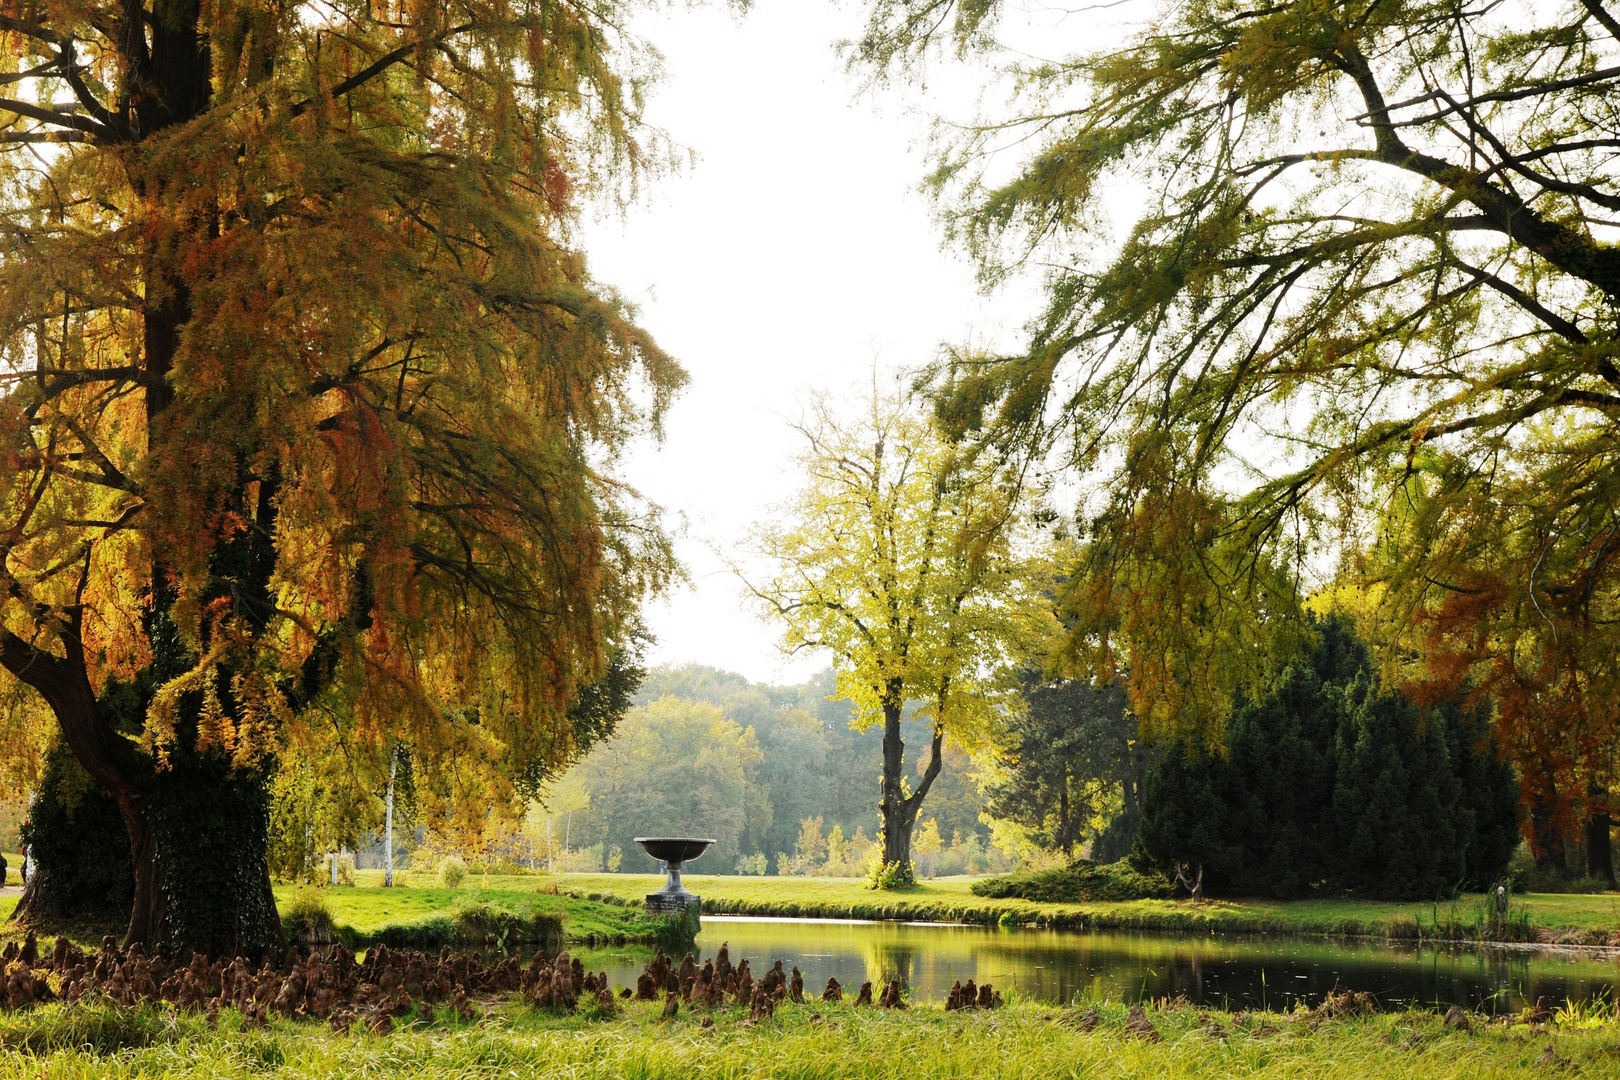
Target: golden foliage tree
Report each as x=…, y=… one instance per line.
x=904, y=560
x=309, y=408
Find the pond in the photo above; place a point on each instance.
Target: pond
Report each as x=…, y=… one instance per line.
x=1217, y=971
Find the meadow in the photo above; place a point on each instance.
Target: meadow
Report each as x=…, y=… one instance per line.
x=806, y=1042
x=606, y=908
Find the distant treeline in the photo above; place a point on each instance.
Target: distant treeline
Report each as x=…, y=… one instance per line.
x=707, y=752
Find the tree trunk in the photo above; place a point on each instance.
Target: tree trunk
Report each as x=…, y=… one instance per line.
x=1193, y=883
x=388, y=825
x=198, y=831
x=898, y=810
x=1599, y=853
x=1063, y=820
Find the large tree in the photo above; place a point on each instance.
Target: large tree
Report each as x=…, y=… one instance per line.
x=902, y=559
x=308, y=405
x=1071, y=756
x=1367, y=272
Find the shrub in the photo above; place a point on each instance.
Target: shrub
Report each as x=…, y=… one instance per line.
x=452, y=871
x=1078, y=882
x=307, y=918
x=498, y=928
x=428, y=935
x=895, y=875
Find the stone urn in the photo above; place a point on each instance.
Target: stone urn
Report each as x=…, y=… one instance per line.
x=674, y=852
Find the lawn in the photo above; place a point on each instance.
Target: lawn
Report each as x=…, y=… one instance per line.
x=367, y=912
x=803, y=1042
x=1580, y=918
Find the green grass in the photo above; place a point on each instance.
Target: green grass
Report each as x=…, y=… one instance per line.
x=427, y=917
x=841, y=1043
x=1579, y=919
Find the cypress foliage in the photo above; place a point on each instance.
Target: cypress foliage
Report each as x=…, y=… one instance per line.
x=1332, y=784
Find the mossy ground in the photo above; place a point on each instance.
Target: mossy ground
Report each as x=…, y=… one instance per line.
x=808, y=1042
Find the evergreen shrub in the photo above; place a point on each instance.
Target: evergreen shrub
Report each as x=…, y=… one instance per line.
x=1078, y=882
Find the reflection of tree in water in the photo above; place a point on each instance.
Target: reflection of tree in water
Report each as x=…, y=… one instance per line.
x=888, y=959
x=1214, y=971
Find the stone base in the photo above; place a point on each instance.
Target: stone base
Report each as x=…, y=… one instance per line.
x=660, y=903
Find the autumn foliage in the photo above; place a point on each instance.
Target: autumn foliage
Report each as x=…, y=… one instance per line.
x=309, y=406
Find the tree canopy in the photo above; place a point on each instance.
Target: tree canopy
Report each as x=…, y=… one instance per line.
x=1360, y=309
x=902, y=560
x=309, y=406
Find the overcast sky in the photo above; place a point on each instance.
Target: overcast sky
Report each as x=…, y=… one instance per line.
x=793, y=256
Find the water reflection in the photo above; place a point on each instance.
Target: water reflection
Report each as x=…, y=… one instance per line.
x=1228, y=971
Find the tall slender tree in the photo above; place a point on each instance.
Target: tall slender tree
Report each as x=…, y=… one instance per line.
x=308, y=404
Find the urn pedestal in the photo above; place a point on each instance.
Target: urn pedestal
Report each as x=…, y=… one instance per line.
x=674, y=852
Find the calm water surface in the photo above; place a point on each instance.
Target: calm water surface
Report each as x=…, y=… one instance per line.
x=1220, y=971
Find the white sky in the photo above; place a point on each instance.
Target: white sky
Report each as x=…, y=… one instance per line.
x=793, y=256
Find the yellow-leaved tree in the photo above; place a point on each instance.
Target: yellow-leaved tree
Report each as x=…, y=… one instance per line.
x=907, y=562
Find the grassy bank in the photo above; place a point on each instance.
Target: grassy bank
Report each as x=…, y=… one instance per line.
x=1566, y=918
x=507, y=912
x=809, y=1042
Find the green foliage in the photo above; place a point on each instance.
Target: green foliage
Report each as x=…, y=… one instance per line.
x=1078, y=882
x=675, y=768
x=80, y=846
x=1359, y=315
x=812, y=764
x=452, y=871
x=1331, y=784
x=902, y=558
x=894, y=875
x=1073, y=762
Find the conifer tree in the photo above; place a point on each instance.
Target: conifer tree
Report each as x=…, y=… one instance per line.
x=1331, y=783
x=309, y=407
x=1069, y=754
